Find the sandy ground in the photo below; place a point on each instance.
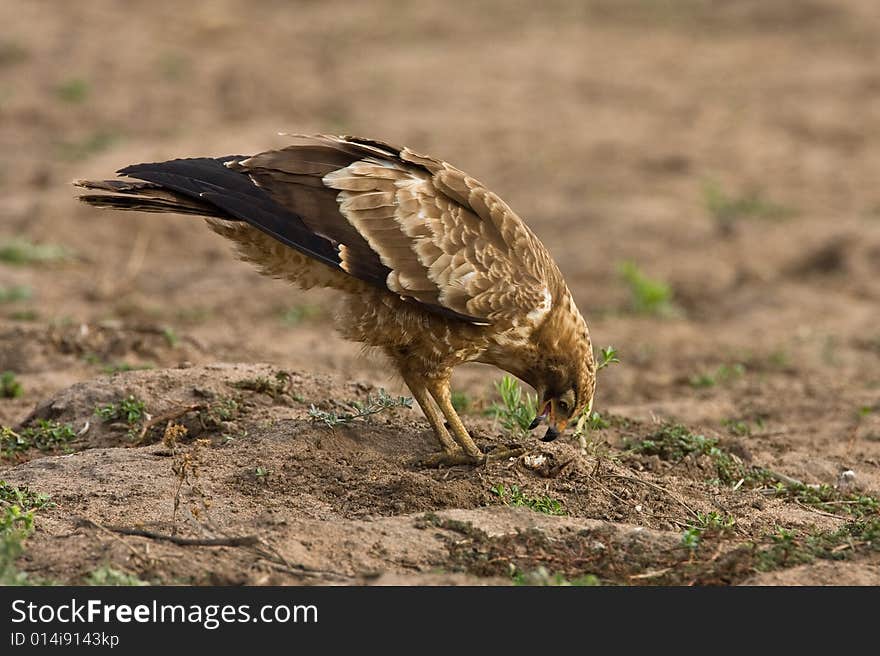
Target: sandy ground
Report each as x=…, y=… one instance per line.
x=607, y=126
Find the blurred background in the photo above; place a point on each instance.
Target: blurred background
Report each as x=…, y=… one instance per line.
x=704, y=171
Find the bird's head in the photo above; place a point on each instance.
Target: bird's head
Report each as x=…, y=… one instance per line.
x=564, y=395
x=564, y=369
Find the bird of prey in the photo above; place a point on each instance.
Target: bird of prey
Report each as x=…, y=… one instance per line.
x=435, y=269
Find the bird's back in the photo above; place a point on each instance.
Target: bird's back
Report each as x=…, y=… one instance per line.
x=368, y=213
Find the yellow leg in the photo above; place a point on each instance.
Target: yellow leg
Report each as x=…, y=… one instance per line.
x=420, y=393
x=440, y=391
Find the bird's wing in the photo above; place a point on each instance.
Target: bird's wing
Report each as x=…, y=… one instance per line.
x=416, y=225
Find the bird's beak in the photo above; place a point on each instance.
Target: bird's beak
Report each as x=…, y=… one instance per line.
x=554, y=428
x=541, y=416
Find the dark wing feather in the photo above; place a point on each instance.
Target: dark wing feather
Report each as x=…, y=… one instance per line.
x=210, y=180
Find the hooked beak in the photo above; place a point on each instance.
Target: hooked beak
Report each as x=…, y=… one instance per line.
x=540, y=417
x=554, y=428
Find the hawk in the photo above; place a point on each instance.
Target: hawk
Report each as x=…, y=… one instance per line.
x=434, y=268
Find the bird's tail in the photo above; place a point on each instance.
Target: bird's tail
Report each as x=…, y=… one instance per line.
x=144, y=197
x=207, y=187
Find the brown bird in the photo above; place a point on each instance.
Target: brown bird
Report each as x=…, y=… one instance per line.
x=436, y=270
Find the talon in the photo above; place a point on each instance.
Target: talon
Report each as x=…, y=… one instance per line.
x=453, y=459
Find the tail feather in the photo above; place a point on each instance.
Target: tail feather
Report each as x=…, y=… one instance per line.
x=207, y=187
x=143, y=197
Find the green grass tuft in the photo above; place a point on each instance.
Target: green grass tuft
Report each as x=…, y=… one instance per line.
x=10, y=388
x=14, y=294
x=23, y=497
x=130, y=409
x=726, y=210
x=22, y=252
x=461, y=402
x=723, y=374
x=73, y=91
x=674, y=442
x=17, y=506
x=373, y=405
x=647, y=295
x=517, y=409
x=15, y=527
x=513, y=496
x=46, y=435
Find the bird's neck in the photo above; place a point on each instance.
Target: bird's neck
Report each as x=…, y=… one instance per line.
x=559, y=346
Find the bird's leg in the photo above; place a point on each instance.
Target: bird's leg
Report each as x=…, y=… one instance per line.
x=420, y=393
x=439, y=389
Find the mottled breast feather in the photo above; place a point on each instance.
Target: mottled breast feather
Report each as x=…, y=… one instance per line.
x=415, y=225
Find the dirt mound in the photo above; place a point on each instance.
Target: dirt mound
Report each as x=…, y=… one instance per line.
x=224, y=477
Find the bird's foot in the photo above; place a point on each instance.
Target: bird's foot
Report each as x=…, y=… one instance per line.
x=444, y=459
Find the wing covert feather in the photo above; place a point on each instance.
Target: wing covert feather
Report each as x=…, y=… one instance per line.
x=428, y=231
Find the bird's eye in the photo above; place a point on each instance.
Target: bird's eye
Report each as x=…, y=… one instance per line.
x=563, y=405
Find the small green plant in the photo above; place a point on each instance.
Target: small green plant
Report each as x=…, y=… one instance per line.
x=20, y=252
x=15, y=527
x=72, y=91
x=779, y=359
x=10, y=388
x=17, y=506
x=786, y=549
x=727, y=210
x=597, y=422
x=723, y=374
x=461, y=402
x=824, y=497
x=131, y=410
x=714, y=521
x=14, y=294
x=517, y=409
x=647, y=295
x=171, y=337
x=24, y=315
x=710, y=522
x=674, y=442
x=691, y=538
x=215, y=415
x=513, y=496
x=261, y=473
x=373, y=405
x=46, y=435
x=609, y=356
x=742, y=427
x=23, y=497
x=275, y=387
